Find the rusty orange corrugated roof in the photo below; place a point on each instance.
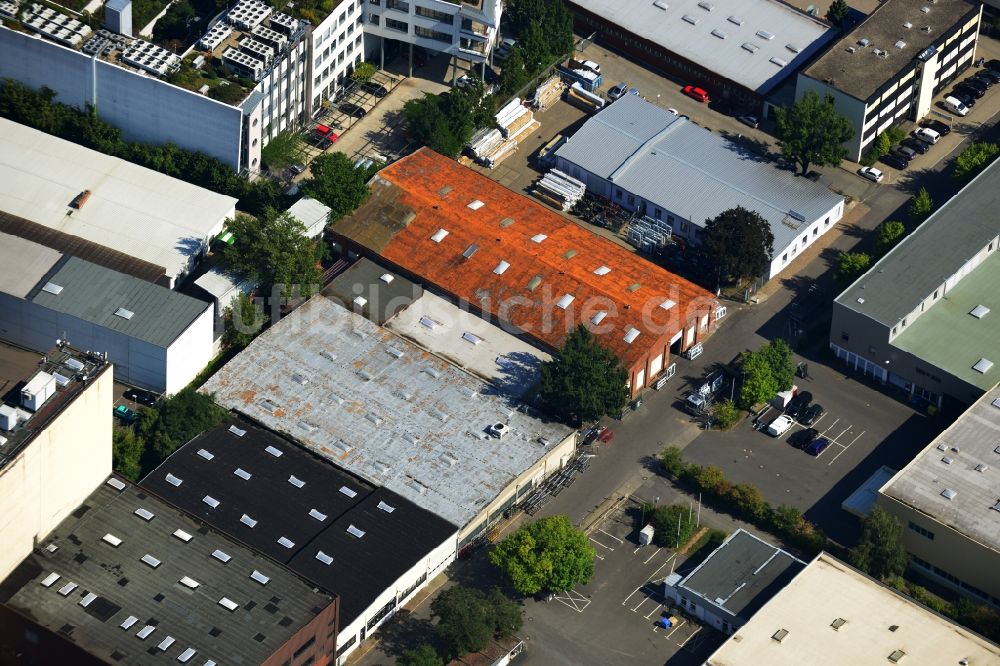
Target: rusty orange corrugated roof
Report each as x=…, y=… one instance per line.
x=527, y=265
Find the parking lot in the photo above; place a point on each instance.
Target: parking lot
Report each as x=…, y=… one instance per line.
x=612, y=619
x=866, y=428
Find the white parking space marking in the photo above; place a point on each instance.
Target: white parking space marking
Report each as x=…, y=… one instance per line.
x=829, y=427
x=650, y=613
x=649, y=591
x=611, y=535
x=670, y=559
x=611, y=548
x=844, y=448
x=574, y=600
x=674, y=629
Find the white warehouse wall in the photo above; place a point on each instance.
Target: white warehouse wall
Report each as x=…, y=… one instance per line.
x=145, y=108
x=56, y=471
x=812, y=233
x=191, y=351
x=431, y=565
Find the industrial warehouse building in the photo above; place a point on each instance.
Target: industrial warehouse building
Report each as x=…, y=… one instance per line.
x=923, y=317
x=372, y=548
x=832, y=614
x=737, y=50
x=890, y=67
x=521, y=265
x=394, y=414
x=53, y=189
x=129, y=579
x=55, y=442
x=675, y=173
x=948, y=503
x=156, y=338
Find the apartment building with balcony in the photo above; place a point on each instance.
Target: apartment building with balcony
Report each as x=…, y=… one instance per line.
x=464, y=29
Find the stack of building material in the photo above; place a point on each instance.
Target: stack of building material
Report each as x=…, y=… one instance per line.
x=579, y=97
x=547, y=94
x=559, y=189
x=484, y=142
x=508, y=113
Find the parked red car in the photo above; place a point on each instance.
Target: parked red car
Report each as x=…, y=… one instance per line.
x=696, y=93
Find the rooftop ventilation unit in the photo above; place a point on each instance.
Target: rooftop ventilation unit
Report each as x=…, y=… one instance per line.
x=949, y=494
x=864, y=43
x=851, y=49
x=499, y=430
x=764, y=34
x=925, y=10
x=707, y=6
x=660, y=4
x=752, y=48
x=926, y=29
x=39, y=388
x=794, y=48
x=737, y=20
x=718, y=33
x=690, y=19
x=979, y=311
x=774, y=60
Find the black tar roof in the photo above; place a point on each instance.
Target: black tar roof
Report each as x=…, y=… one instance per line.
x=742, y=574
x=362, y=567
x=155, y=592
x=368, y=280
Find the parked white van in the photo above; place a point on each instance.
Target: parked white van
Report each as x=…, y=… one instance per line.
x=927, y=135
x=955, y=106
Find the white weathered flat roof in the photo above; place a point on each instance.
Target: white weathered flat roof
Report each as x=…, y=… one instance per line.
x=134, y=210
x=382, y=408
x=312, y=214
x=972, y=446
x=828, y=590
x=470, y=342
x=24, y=264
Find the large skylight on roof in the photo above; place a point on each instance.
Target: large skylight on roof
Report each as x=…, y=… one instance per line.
x=439, y=235
x=207, y=455
x=49, y=580
x=259, y=577
x=182, y=535
x=128, y=622
x=318, y=515
x=286, y=542
x=144, y=633
x=111, y=539
x=324, y=558
x=68, y=588
x=602, y=270
x=115, y=483
x=667, y=304
x=221, y=555
x=52, y=288
x=360, y=301
x=471, y=337
x=228, y=604
x=211, y=501
x=598, y=317
x=476, y=204
x=296, y=481
x=979, y=311
x=124, y=313
x=631, y=334
x=183, y=657
x=242, y=473
x=187, y=581
x=166, y=643
x=88, y=599
x=173, y=480
x=273, y=451
x=387, y=277
x=348, y=491
x=565, y=301
x=538, y=238
x=501, y=267
x=388, y=508
x=150, y=560
x=248, y=521
x=983, y=365
x=145, y=514
x=354, y=531
x=949, y=494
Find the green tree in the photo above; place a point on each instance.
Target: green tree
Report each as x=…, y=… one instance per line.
x=427, y=124
x=672, y=525
x=583, y=381
x=364, y=72
x=673, y=461
x=973, y=159
x=468, y=619
x=784, y=518
x=422, y=655
x=338, y=184
x=709, y=479
x=880, y=551
x=547, y=555
x=921, y=205
x=725, y=414
x=812, y=132
x=513, y=76
x=739, y=243
x=126, y=453
x=272, y=250
x=895, y=134
x=243, y=321
x=749, y=501
x=179, y=24
x=837, y=13
x=759, y=384
x=880, y=146
x=887, y=235
x=534, y=48
x=850, y=266
x=778, y=356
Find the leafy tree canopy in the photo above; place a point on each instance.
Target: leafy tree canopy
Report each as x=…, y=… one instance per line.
x=739, y=242
x=468, y=619
x=363, y=72
x=338, y=184
x=887, y=235
x=974, y=158
x=812, y=132
x=546, y=555
x=921, y=205
x=583, y=380
x=837, y=13
x=778, y=355
x=126, y=453
x=850, y=266
x=243, y=321
x=273, y=251
x=880, y=551
x=672, y=525
x=759, y=383
x=514, y=74
x=422, y=655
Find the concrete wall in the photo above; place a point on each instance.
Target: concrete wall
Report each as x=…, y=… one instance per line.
x=146, y=109
x=191, y=352
x=56, y=471
x=808, y=236
x=951, y=552
x=397, y=594
x=136, y=362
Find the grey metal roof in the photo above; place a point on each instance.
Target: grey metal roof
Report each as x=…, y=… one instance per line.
x=897, y=284
x=742, y=574
x=795, y=36
x=384, y=409
x=861, y=73
x=94, y=294
x=972, y=440
x=674, y=163
x=268, y=615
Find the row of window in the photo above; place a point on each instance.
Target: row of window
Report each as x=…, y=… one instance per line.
x=955, y=580
x=926, y=533
x=427, y=33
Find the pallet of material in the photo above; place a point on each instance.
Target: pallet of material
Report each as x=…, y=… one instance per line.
x=545, y=197
x=547, y=93
x=508, y=113
x=526, y=131
x=513, y=130
x=505, y=150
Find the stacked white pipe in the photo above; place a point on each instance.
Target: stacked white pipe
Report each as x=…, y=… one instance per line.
x=560, y=188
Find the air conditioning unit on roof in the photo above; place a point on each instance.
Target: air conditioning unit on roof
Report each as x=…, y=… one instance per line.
x=499, y=430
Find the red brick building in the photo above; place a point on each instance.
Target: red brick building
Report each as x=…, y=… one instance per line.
x=524, y=266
